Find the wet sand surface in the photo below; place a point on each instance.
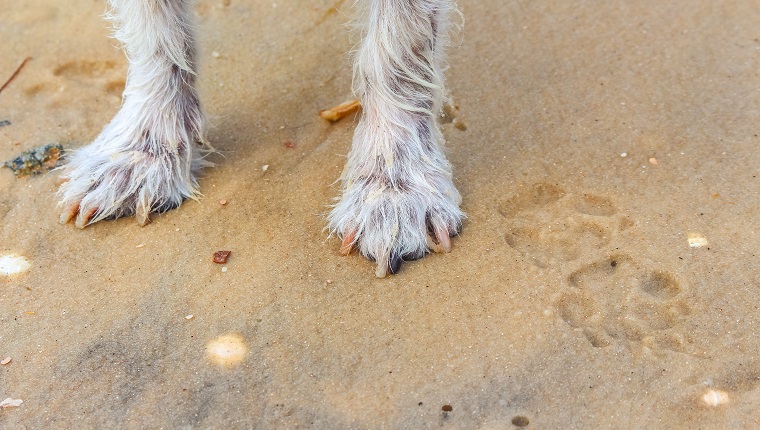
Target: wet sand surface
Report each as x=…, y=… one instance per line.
x=600, y=137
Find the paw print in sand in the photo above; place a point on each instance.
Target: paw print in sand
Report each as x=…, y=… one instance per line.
x=548, y=225
x=617, y=298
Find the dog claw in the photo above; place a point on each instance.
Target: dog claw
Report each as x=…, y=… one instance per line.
x=395, y=264
x=442, y=234
x=69, y=213
x=441, y=242
x=143, y=215
x=382, y=269
x=84, y=218
x=348, y=243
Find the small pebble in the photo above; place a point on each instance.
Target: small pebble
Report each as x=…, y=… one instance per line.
x=221, y=257
x=520, y=421
x=653, y=161
x=623, y=154
x=6, y=360
x=224, y=269
x=265, y=167
x=189, y=317
x=215, y=54
x=222, y=202
x=447, y=408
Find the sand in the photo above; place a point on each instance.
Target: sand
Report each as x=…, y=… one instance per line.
x=600, y=137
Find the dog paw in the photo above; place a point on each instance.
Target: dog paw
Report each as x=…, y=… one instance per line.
x=400, y=203
x=131, y=169
x=391, y=225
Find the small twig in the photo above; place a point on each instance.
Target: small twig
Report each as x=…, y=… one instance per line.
x=13, y=76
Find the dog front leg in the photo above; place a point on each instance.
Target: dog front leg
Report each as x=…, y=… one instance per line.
x=146, y=158
x=398, y=200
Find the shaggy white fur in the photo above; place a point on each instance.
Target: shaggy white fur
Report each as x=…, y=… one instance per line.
x=143, y=161
x=398, y=199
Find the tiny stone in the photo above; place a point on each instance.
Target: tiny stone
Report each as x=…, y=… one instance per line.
x=265, y=167
x=653, y=161
x=623, y=154
x=520, y=421
x=6, y=360
x=215, y=54
x=447, y=408
x=224, y=269
x=222, y=202
x=189, y=317
x=221, y=257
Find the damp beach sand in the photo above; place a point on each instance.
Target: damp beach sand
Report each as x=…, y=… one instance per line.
x=590, y=288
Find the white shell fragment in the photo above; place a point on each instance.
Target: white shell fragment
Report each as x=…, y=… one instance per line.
x=11, y=403
x=227, y=350
x=12, y=264
x=697, y=240
x=715, y=398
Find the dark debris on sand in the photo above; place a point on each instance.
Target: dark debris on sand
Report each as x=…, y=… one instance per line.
x=36, y=161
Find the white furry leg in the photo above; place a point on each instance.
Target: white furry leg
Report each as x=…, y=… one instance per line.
x=146, y=158
x=399, y=201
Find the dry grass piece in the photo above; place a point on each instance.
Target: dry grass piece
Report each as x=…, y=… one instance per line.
x=13, y=76
x=341, y=111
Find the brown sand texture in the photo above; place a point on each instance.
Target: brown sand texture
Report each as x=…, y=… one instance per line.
x=606, y=276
